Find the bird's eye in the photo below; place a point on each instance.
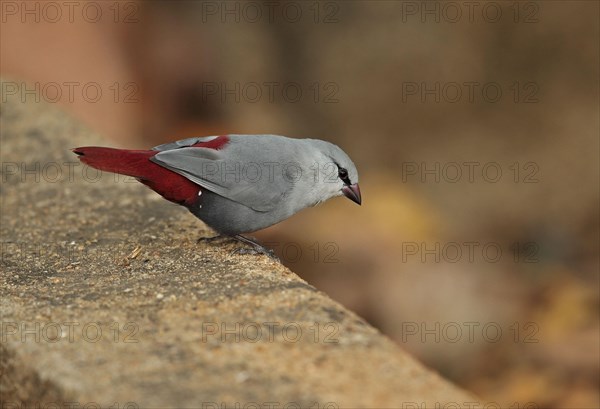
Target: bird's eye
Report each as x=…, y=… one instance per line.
x=343, y=174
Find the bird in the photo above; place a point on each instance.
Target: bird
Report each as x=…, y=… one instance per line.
x=237, y=184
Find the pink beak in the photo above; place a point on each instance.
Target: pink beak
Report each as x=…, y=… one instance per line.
x=352, y=192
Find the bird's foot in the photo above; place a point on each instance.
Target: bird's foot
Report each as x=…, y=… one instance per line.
x=213, y=239
x=254, y=249
x=256, y=252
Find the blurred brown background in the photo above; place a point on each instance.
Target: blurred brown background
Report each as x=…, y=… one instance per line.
x=411, y=91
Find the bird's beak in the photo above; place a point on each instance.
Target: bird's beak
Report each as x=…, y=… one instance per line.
x=352, y=192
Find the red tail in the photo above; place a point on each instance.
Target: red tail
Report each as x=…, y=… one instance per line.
x=122, y=161
x=136, y=163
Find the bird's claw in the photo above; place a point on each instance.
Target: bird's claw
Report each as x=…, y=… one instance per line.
x=253, y=248
x=255, y=251
x=213, y=239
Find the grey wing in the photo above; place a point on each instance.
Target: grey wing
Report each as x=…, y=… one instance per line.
x=258, y=189
x=183, y=143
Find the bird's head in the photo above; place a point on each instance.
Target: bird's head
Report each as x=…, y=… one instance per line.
x=337, y=174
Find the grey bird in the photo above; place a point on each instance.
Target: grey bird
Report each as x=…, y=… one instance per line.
x=237, y=184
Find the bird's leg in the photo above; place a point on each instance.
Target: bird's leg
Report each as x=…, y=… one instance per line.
x=256, y=247
x=213, y=238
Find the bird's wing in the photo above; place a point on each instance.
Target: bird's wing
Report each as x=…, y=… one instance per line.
x=213, y=142
x=228, y=175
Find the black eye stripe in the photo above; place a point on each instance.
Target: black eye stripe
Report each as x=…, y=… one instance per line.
x=343, y=174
